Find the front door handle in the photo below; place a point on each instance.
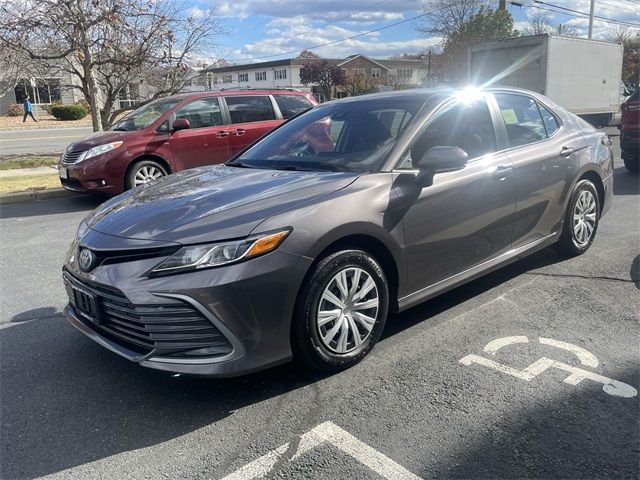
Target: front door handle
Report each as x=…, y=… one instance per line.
x=222, y=134
x=502, y=171
x=567, y=151
x=239, y=132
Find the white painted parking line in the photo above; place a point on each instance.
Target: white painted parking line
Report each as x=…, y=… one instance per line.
x=330, y=433
x=576, y=375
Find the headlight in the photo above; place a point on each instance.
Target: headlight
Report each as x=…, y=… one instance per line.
x=99, y=150
x=196, y=257
x=82, y=229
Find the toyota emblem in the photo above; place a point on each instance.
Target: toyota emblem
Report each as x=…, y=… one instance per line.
x=86, y=258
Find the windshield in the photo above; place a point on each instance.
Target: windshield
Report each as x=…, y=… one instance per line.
x=344, y=136
x=145, y=115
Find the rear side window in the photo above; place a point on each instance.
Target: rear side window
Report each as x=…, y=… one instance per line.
x=201, y=113
x=550, y=122
x=292, y=105
x=247, y=109
x=522, y=119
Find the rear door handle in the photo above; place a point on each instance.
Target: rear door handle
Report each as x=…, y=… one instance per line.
x=567, y=151
x=502, y=171
x=239, y=132
x=222, y=134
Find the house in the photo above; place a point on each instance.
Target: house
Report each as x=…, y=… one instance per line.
x=388, y=74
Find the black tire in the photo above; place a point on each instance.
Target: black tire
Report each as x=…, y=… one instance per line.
x=632, y=163
x=307, y=345
x=568, y=243
x=129, y=181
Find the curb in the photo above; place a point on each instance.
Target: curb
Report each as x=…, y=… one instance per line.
x=31, y=195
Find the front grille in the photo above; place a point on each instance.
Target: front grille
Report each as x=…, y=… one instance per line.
x=71, y=157
x=165, y=329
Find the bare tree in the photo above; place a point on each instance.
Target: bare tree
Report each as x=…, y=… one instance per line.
x=323, y=72
x=359, y=84
x=445, y=17
x=105, y=44
x=539, y=23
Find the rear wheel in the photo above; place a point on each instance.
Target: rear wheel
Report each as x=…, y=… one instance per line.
x=581, y=220
x=341, y=311
x=632, y=163
x=143, y=172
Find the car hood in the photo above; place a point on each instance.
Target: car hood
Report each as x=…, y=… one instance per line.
x=210, y=203
x=97, y=138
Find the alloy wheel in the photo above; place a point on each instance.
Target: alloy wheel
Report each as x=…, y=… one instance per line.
x=147, y=174
x=348, y=310
x=584, y=218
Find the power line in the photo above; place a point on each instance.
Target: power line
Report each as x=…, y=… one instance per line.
x=583, y=14
x=617, y=7
x=334, y=42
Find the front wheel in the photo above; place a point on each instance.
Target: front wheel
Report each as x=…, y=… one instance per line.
x=144, y=172
x=340, y=312
x=581, y=220
x=632, y=163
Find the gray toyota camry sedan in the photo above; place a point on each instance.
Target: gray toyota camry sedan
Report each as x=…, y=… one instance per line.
x=300, y=246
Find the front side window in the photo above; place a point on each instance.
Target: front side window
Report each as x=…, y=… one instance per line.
x=145, y=115
x=201, y=113
x=521, y=118
x=291, y=105
x=353, y=137
x=254, y=108
x=457, y=124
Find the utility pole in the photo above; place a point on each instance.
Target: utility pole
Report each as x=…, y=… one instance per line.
x=591, y=12
x=502, y=5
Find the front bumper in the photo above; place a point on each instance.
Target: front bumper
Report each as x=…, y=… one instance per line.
x=102, y=174
x=251, y=304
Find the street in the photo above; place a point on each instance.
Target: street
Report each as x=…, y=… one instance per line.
x=413, y=408
x=49, y=141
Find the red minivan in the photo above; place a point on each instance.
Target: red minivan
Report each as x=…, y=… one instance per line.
x=630, y=132
x=175, y=133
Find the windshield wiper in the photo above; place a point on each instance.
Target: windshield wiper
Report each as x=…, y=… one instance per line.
x=119, y=129
x=298, y=168
x=238, y=164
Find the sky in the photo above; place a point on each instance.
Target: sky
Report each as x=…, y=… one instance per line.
x=262, y=30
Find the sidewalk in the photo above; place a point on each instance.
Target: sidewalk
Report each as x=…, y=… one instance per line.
x=45, y=121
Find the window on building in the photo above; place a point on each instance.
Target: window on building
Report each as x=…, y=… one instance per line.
x=45, y=90
x=201, y=113
x=261, y=76
x=405, y=73
x=254, y=108
x=243, y=77
x=280, y=74
x=360, y=71
x=375, y=73
x=227, y=79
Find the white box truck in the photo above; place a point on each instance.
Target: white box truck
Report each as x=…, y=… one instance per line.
x=583, y=76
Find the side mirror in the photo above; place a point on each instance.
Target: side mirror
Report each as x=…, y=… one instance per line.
x=440, y=159
x=180, y=124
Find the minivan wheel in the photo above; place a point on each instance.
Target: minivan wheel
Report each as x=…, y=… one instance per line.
x=340, y=312
x=143, y=172
x=581, y=220
x=632, y=163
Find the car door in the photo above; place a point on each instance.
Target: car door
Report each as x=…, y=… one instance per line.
x=544, y=157
x=466, y=216
x=206, y=141
x=251, y=116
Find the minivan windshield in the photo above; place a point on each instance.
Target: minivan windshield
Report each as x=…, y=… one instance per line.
x=145, y=115
x=352, y=136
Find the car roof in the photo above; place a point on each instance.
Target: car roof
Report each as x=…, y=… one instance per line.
x=236, y=91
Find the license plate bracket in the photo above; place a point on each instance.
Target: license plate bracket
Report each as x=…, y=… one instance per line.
x=64, y=173
x=85, y=303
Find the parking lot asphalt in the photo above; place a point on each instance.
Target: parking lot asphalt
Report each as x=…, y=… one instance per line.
x=435, y=398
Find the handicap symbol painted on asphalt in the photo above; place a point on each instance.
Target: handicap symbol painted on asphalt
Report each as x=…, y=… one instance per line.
x=576, y=375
